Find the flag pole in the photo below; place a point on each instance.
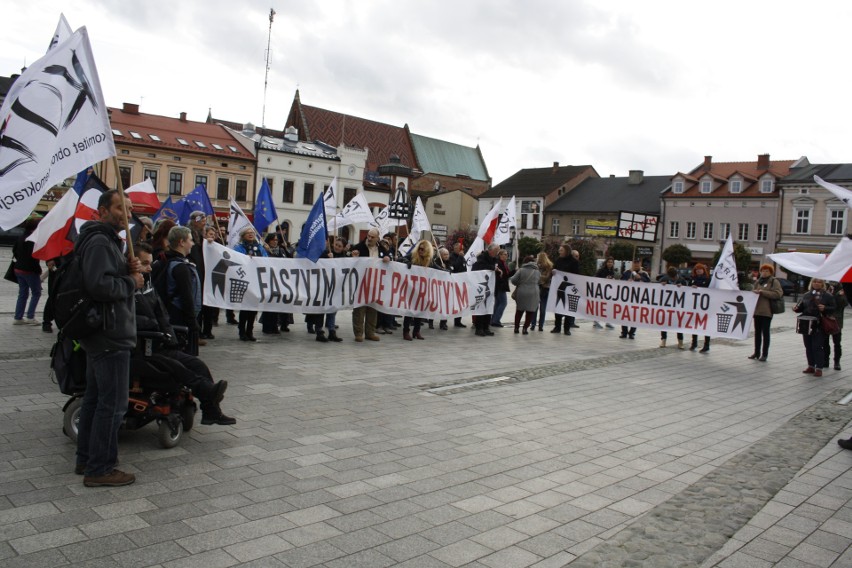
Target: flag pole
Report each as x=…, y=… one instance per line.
x=120, y=187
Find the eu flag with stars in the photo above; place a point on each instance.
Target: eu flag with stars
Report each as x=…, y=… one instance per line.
x=169, y=210
x=264, y=209
x=312, y=241
x=195, y=200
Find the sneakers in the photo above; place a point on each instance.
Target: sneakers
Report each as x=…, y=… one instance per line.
x=597, y=325
x=115, y=478
x=19, y=322
x=218, y=419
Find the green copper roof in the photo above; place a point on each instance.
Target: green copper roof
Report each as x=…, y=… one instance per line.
x=440, y=157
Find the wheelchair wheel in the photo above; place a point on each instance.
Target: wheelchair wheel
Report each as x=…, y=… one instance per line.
x=71, y=419
x=166, y=437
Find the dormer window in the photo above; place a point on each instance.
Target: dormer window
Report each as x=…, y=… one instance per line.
x=677, y=187
x=736, y=186
x=706, y=186
x=766, y=186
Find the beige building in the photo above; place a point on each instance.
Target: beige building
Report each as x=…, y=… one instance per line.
x=449, y=211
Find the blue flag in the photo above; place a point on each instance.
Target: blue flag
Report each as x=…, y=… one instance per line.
x=80, y=182
x=169, y=210
x=264, y=209
x=312, y=241
x=195, y=200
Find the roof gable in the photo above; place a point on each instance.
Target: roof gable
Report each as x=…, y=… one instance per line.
x=538, y=182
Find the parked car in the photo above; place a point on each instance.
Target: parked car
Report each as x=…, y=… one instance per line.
x=8, y=237
x=787, y=286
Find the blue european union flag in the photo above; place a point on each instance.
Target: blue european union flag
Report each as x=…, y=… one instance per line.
x=195, y=200
x=312, y=241
x=264, y=208
x=169, y=210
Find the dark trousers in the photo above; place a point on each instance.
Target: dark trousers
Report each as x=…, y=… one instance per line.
x=835, y=338
x=481, y=322
x=205, y=319
x=814, y=348
x=665, y=335
x=195, y=374
x=627, y=332
x=246, y=323
x=529, y=317
x=761, y=335
x=569, y=321
x=48, y=305
x=270, y=321
x=409, y=322
x=103, y=409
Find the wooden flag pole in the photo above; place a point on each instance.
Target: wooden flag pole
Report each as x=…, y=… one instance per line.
x=120, y=187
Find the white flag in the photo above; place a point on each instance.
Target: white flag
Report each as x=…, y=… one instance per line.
x=508, y=221
x=63, y=32
x=53, y=124
x=836, y=266
x=356, y=211
x=419, y=223
x=488, y=226
x=841, y=193
x=384, y=223
x=477, y=247
x=725, y=273
x=237, y=221
x=329, y=199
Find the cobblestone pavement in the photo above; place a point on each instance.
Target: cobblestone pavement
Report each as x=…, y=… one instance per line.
x=538, y=450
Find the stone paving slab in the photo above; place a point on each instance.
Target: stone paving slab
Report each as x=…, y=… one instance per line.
x=342, y=456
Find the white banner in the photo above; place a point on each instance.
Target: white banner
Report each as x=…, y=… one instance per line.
x=53, y=124
x=700, y=311
x=356, y=211
x=508, y=221
x=419, y=224
x=236, y=222
x=236, y=281
x=725, y=273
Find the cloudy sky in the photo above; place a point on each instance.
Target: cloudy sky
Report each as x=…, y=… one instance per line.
x=618, y=84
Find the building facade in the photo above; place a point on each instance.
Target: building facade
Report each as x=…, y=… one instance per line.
x=703, y=206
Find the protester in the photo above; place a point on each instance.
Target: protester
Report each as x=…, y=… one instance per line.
x=700, y=279
x=111, y=280
x=607, y=270
x=527, y=281
x=271, y=321
x=209, y=314
x=636, y=274
x=47, y=319
x=189, y=370
x=545, y=267
x=565, y=262
x=364, y=318
x=442, y=262
x=458, y=264
x=248, y=245
x=501, y=288
x=486, y=260
x=28, y=274
x=197, y=224
x=338, y=250
x=816, y=303
x=767, y=288
x=160, y=238
x=421, y=255
x=182, y=284
x=671, y=277
x=840, y=303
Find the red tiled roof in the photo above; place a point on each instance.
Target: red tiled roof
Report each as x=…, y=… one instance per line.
x=336, y=128
x=168, y=130
x=724, y=171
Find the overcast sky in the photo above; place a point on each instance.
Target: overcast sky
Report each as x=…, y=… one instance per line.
x=619, y=84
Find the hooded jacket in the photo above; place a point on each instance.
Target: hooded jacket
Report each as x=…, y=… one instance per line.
x=107, y=280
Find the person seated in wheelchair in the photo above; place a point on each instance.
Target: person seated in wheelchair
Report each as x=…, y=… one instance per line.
x=192, y=372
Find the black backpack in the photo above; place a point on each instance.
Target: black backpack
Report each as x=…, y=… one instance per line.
x=77, y=315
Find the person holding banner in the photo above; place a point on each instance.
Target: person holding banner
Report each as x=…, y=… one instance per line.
x=364, y=318
x=768, y=288
x=700, y=279
x=420, y=256
x=637, y=274
x=565, y=262
x=671, y=277
x=811, y=309
x=457, y=264
x=248, y=245
x=487, y=260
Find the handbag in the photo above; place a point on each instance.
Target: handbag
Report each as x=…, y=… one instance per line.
x=777, y=306
x=10, y=273
x=830, y=325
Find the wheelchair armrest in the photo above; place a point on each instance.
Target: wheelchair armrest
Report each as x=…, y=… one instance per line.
x=150, y=334
x=180, y=329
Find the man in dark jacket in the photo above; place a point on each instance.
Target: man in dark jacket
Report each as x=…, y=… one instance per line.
x=486, y=260
x=365, y=318
x=565, y=262
x=111, y=280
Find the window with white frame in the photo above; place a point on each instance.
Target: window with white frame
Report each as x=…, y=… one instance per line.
x=836, y=221
x=762, y=232
x=742, y=232
x=575, y=226
x=706, y=186
x=554, y=226
x=736, y=186
x=766, y=186
x=674, y=229
x=724, y=230
x=707, y=233
x=802, y=220
x=677, y=187
x=690, y=229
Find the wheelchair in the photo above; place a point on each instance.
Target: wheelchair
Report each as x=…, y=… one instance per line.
x=155, y=395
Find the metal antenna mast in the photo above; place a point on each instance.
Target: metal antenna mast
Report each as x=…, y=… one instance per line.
x=266, y=75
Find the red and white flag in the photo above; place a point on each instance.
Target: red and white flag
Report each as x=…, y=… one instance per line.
x=508, y=221
x=841, y=193
x=50, y=237
x=836, y=267
x=53, y=124
x=488, y=226
x=144, y=194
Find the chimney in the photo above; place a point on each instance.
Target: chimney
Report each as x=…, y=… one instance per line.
x=183, y=117
x=636, y=177
x=708, y=162
x=763, y=161
x=130, y=108
x=555, y=167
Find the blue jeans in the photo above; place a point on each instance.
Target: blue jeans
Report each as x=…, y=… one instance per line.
x=542, y=305
x=330, y=320
x=104, y=405
x=28, y=282
x=500, y=303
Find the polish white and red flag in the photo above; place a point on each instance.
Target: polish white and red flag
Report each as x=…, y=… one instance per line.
x=488, y=227
x=836, y=267
x=144, y=194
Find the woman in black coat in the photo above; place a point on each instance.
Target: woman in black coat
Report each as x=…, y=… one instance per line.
x=28, y=273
